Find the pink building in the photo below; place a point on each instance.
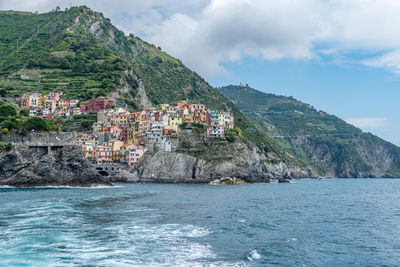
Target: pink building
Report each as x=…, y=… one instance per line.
x=229, y=121
x=216, y=131
x=197, y=107
x=116, y=131
x=134, y=154
x=53, y=96
x=102, y=155
x=181, y=104
x=146, y=116
x=97, y=104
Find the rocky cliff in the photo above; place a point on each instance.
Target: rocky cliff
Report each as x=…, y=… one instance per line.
x=199, y=159
x=196, y=159
x=249, y=166
x=40, y=166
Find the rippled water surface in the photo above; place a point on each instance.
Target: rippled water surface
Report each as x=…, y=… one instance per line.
x=308, y=223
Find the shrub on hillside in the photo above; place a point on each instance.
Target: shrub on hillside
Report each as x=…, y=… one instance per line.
x=9, y=125
x=35, y=123
x=3, y=92
x=4, y=146
x=24, y=112
x=231, y=135
x=7, y=111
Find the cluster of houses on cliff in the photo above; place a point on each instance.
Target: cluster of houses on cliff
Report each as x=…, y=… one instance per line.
x=123, y=137
x=49, y=105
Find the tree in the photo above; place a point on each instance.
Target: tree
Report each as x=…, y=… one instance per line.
x=24, y=112
x=110, y=105
x=9, y=125
x=35, y=123
x=3, y=92
x=7, y=111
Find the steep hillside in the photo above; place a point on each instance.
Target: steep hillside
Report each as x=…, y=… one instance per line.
x=330, y=145
x=79, y=52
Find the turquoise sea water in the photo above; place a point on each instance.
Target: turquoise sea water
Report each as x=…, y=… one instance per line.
x=341, y=222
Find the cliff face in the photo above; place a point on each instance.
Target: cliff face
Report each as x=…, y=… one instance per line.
x=200, y=160
x=179, y=167
x=37, y=166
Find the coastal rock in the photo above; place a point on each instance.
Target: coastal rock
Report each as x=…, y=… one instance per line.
x=228, y=181
x=40, y=166
x=243, y=164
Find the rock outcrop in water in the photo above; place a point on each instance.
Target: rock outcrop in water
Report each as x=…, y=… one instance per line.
x=40, y=166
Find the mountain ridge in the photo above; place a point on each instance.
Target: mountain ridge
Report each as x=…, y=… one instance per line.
x=330, y=145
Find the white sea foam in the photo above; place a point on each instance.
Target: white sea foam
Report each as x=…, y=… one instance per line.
x=64, y=187
x=253, y=255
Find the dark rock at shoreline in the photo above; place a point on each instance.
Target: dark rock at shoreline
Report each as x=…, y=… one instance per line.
x=39, y=166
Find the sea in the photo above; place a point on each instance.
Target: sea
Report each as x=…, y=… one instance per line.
x=329, y=222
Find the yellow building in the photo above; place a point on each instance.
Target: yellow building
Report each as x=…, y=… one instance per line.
x=187, y=118
x=122, y=120
x=174, y=119
x=88, y=148
x=87, y=142
x=63, y=104
x=32, y=100
x=221, y=118
x=164, y=107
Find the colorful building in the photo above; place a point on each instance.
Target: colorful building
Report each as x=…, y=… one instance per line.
x=197, y=107
x=171, y=131
x=102, y=155
x=174, y=119
x=32, y=100
x=134, y=154
x=98, y=104
x=215, y=131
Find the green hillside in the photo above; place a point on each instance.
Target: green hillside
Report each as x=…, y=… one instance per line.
x=330, y=145
x=79, y=52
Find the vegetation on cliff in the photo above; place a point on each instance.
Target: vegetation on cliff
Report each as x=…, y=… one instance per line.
x=79, y=52
x=328, y=144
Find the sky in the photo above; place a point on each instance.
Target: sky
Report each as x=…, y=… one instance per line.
x=341, y=56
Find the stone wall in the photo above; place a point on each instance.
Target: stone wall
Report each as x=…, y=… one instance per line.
x=41, y=139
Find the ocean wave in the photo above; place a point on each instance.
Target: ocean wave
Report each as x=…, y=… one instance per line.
x=61, y=187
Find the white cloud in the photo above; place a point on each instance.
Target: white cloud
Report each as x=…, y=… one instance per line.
x=206, y=33
x=364, y=24
x=228, y=30
x=232, y=29
x=368, y=123
x=390, y=61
